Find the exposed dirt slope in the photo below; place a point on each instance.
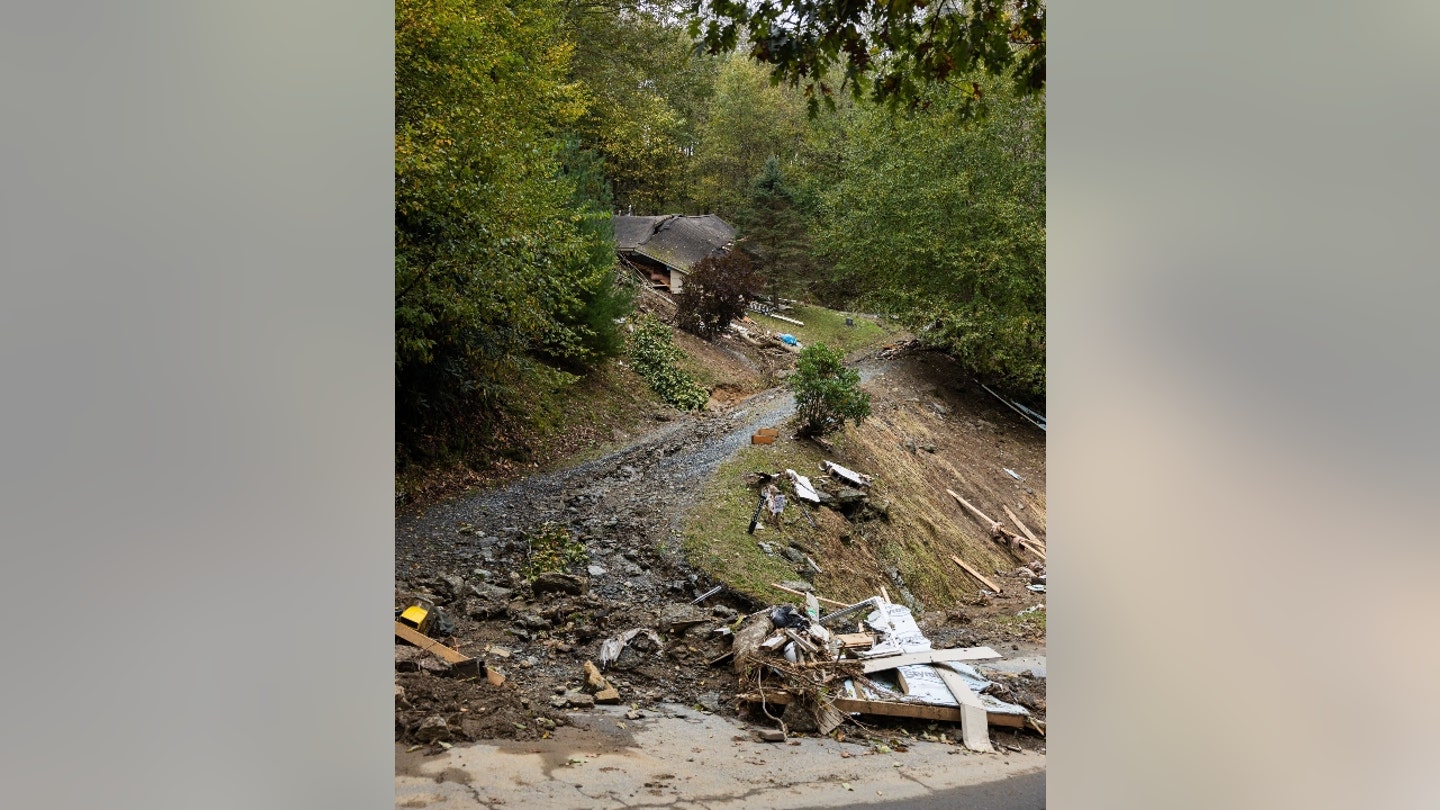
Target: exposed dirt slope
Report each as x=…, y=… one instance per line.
x=930, y=431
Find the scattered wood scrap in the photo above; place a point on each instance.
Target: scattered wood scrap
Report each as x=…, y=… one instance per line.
x=974, y=720
x=891, y=708
x=994, y=525
x=972, y=572
x=1023, y=528
x=882, y=663
x=450, y=656
x=850, y=641
x=784, y=318
x=1037, y=551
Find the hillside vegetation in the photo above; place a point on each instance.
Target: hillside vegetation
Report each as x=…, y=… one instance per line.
x=520, y=130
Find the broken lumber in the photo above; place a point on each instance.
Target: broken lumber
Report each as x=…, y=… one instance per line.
x=802, y=594
x=1025, y=544
x=890, y=708
x=801, y=641
x=852, y=640
x=882, y=663
x=773, y=643
x=425, y=643
x=994, y=524
x=1023, y=527
x=778, y=317
x=972, y=572
x=974, y=730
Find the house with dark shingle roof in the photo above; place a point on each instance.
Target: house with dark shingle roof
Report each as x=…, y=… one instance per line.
x=665, y=248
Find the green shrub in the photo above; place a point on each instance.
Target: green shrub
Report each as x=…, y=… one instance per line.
x=826, y=392
x=550, y=548
x=653, y=353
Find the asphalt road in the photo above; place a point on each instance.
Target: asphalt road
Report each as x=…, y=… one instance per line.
x=1025, y=792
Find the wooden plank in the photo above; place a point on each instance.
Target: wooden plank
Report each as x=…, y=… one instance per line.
x=882, y=663
x=972, y=572
x=994, y=524
x=800, y=641
x=430, y=645
x=1023, y=527
x=767, y=432
x=890, y=708
x=778, y=317
x=802, y=594
x=773, y=643
x=759, y=439
x=1025, y=544
x=850, y=640
x=974, y=730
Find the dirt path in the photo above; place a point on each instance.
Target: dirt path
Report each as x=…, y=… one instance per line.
x=627, y=504
x=631, y=500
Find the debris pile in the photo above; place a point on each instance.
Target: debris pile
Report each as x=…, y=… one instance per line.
x=866, y=658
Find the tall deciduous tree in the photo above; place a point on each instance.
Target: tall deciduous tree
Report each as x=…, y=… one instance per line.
x=750, y=121
x=940, y=217
x=646, y=92
x=496, y=261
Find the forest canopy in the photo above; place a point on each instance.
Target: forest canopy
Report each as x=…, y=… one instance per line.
x=522, y=128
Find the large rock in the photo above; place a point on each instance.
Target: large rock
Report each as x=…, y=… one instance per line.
x=432, y=728
x=594, y=681
x=481, y=609
x=555, y=582
x=485, y=590
x=640, y=649
x=457, y=587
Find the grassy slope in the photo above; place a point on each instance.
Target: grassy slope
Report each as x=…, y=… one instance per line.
x=828, y=326
x=926, y=526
